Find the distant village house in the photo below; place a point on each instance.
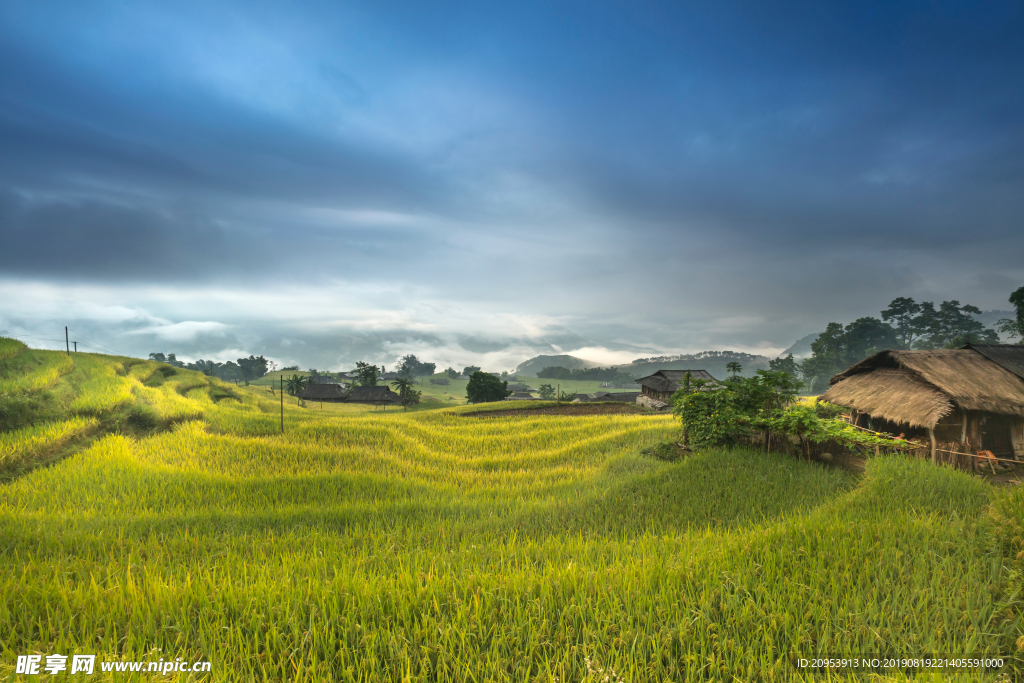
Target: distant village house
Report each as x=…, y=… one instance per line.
x=656, y=390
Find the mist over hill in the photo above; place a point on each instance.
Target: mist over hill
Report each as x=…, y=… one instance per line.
x=529, y=368
x=713, y=361
x=801, y=348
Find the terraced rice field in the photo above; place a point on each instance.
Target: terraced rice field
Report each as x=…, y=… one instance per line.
x=369, y=546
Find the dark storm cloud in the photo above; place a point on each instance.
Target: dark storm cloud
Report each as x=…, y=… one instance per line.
x=698, y=175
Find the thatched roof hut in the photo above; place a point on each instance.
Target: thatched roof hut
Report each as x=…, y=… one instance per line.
x=324, y=392
x=972, y=396
x=377, y=396
x=919, y=388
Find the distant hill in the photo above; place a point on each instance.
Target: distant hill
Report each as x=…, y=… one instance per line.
x=529, y=368
x=712, y=361
x=801, y=348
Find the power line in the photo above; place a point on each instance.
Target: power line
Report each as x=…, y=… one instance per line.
x=86, y=342
x=97, y=344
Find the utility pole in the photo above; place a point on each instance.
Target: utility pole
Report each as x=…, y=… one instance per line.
x=282, y=404
x=66, y=339
x=76, y=346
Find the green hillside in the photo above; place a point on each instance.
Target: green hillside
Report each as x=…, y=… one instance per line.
x=152, y=512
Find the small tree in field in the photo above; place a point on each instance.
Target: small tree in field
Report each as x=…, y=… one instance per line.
x=368, y=374
x=485, y=388
x=547, y=392
x=722, y=414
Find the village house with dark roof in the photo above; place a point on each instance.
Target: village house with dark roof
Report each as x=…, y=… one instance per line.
x=332, y=393
x=378, y=396
x=656, y=390
x=521, y=396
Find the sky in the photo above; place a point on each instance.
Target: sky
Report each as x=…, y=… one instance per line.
x=482, y=182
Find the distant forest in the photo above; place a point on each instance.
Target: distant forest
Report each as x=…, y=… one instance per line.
x=905, y=324
x=585, y=374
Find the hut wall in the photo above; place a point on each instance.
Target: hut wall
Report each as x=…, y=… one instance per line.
x=997, y=434
x=1017, y=437
x=950, y=428
x=973, y=431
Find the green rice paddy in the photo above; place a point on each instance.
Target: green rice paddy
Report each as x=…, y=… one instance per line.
x=155, y=515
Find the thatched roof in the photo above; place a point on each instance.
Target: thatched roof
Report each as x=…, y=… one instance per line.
x=1009, y=356
x=375, y=395
x=323, y=392
x=671, y=380
x=921, y=387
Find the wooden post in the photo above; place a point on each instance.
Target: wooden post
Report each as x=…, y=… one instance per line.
x=66, y=339
x=76, y=346
x=931, y=435
x=282, y=404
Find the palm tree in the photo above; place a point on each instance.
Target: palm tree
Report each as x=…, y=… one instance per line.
x=295, y=384
x=405, y=390
x=734, y=367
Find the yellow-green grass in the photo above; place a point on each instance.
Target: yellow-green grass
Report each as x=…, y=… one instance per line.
x=33, y=370
x=106, y=388
x=20, y=446
x=9, y=348
x=369, y=546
